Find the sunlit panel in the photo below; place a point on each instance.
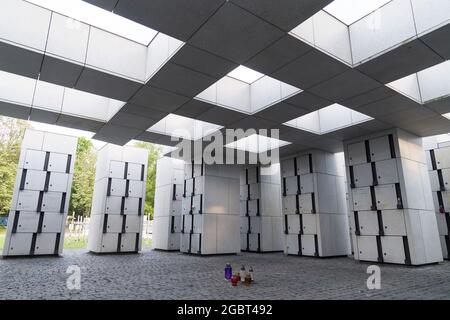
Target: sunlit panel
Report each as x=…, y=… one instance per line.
x=328, y=119
x=245, y=74
x=183, y=127
x=97, y=17
x=256, y=143
x=350, y=11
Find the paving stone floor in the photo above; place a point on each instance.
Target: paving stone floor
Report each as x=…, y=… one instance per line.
x=162, y=275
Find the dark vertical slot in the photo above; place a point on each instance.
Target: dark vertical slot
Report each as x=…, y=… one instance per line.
x=192, y=224
x=201, y=171
x=258, y=213
x=193, y=187
x=441, y=180
x=286, y=230
x=392, y=146
x=374, y=174
x=440, y=202
x=15, y=222
x=172, y=224
x=295, y=166
x=352, y=177
x=398, y=192
x=367, y=145
x=143, y=172
x=300, y=219
x=119, y=242
x=297, y=205
x=136, y=244
x=316, y=245
x=407, y=253
x=57, y=241
x=357, y=230
x=174, y=192
x=433, y=160
x=249, y=225
x=246, y=176
x=248, y=192
x=200, y=210
x=105, y=224
x=190, y=243
x=257, y=174
x=447, y=221
x=311, y=169
x=373, y=199
x=39, y=205
x=380, y=223
x=313, y=202
x=33, y=244
x=47, y=181
x=192, y=203
x=380, y=250
x=46, y=161
x=246, y=209
x=124, y=224
x=300, y=247
x=69, y=162
x=284, y=187
x=259, y=242
x=127, y=188
x=200, y=244
x=299, y=190
x=23, y=179
x=140, y=207
x=447, y=243
x=184, y=190
x=108, y=193
x=63, y=202
x=125, y=171
x=182, y=224
x=122, y=206
x=41, y=222
x=192, y=168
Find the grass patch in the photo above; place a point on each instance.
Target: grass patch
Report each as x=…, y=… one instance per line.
x=75, y=242
x=2, y=236
x=146, y=243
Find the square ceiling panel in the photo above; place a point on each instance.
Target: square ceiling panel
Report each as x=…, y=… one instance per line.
x=441, y=106
x=221, y=116
x=176, y=18
x=156, y=138
x=158, y=99
x=235, y=34
x=344, y=86
x=14, y=110
x=409, y=58
x=257, y=144
x=193, y=108
x=20, y=61
x=278, y=54
x=144, y=111
x=116, y=134
x=252, y=122
x=130, y=120
x=310, y=69
x=438, y=41
x=79, y=123
x=104, y=4
x=60, y=72
x=181, y=80
x=285, y=14
x=377, y=94
x=203, y=61
x=43, y=116
x=281, y=112
x=389, y=105
x=106, y=85
x=308, y=101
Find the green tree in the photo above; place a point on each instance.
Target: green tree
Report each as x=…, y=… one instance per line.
x=11, y=135
x=83, y=178
x=154, y=152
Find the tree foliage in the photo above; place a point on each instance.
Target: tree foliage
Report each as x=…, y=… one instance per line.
x=83, y=178
x=154, y=152
x=11, y=135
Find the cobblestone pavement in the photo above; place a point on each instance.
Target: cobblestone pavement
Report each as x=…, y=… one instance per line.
x=162, y=275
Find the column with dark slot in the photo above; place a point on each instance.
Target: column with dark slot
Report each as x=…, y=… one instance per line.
x=117, y=216
x=41, y=194
x=390, y=199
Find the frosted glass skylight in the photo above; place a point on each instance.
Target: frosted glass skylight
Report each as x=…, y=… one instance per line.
x=245, y=74
x=100, y=18
x=328, y=119
x=256, y=143
x=350, y=11
x=183, y=127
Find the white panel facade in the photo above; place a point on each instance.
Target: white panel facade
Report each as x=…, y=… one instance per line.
x=392, y=213
x=41, y=195
x=118, y=200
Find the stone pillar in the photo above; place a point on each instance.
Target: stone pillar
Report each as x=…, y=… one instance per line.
x=392, y=213
x=261, y=218
x=118, y=201
x=169, y=191
x=210, y=210
x=314, y=205
x=41, y=195
x=438, y=160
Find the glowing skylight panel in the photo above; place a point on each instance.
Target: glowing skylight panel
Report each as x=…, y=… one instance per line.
x=329, y=119
x=100, y=18
x=256, y=143
x=183, y=127
x=245, y=74
x=350, y=11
